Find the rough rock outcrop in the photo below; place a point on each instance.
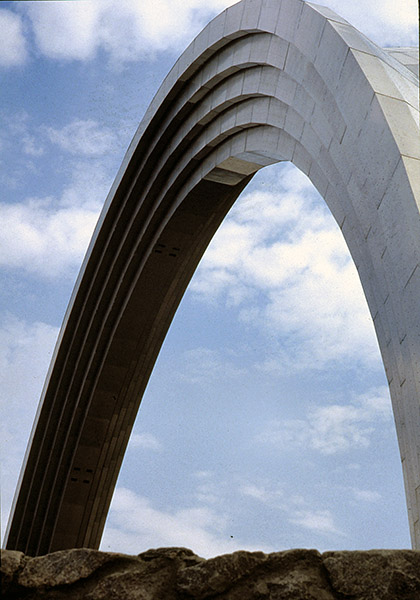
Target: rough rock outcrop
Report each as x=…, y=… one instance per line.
x=177, y=573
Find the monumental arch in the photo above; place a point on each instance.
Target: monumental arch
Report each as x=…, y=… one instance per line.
x=265, y=81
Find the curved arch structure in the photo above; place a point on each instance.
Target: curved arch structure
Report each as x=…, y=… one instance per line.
x=265, y=81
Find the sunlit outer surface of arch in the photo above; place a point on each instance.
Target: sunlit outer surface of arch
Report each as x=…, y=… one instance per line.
x=265, y=81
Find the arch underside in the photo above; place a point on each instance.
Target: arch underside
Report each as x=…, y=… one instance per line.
x=266, y=81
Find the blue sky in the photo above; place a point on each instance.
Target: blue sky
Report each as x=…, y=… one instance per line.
x=267, y=421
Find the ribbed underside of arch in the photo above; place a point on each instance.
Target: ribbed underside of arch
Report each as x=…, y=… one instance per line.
x=266, y=81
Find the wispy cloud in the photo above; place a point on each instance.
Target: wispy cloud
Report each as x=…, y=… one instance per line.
x=146, y=441
x=205, y=526
x=319, y=521
x=83, y=137
x=25, y=352
x=262, y=494
x=370, y=496
x=201, y=365
x=32, y=146
x=332, y=428
x=135, y=525
x=210, y=489
x=293, y=507
x=13, y=45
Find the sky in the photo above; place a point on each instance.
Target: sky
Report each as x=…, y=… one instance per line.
x=267, y=422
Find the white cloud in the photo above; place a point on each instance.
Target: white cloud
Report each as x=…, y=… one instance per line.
x=31, y=146
x=294, y=507
x=203, y=474
x=127, y=30
x=130, y=30
x=214, y=490
x=83, y=137
x=386, y=23
x=134, y=525
x=25, y=352
x=80, y=138
x=13, y=45
x=261, y=493
x=202, y=365
x=366, y=495
x=208, y=493
x=49, y=236
x=333, y=428
x=319, y=521
x=282, y=260
x=18, y=134
x=43, y=239
x=147, y=441
x=209, y=489
x=64, y=30
x=404, y=15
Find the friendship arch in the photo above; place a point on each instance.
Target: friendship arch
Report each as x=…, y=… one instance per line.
x=265, y=81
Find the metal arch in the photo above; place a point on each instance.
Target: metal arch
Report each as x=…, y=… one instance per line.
x=265, y=81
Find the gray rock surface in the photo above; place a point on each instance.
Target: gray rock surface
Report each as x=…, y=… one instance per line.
x=177, y=573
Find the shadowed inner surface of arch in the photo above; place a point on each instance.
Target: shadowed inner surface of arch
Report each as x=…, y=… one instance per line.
x=245, y=103
x=130, y=355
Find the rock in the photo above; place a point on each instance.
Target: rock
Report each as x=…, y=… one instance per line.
x=217, y=575
x=356, y=574
x=153, y=577
x=65, y=567
x=290, y=574
x=178, y=574
x=11, y=562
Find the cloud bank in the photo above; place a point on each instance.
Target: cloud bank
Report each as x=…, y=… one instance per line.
x=281, y=260
x=130, y=30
